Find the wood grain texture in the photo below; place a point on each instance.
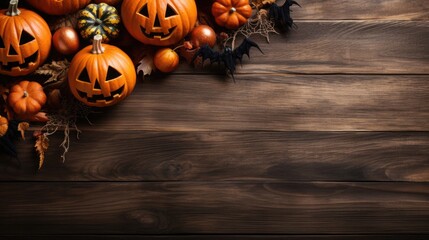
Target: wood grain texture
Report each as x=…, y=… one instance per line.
x=207, y=208
x=229, y=156
x=334, y=47
x=345, y=9
x=274, y=102
x=374, y=9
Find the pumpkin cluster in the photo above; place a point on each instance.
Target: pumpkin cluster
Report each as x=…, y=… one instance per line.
x=105, y=76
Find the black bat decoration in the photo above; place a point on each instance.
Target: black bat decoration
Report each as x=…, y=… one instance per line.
x=228, y=57
x=281, y=14
x=7, y=141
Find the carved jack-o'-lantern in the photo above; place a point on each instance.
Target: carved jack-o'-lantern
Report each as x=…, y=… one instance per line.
x=159, y=22
x=25, y=41
x=101, y=76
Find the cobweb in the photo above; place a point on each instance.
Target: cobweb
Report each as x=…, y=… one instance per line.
x=259, y=24
x=66, y=121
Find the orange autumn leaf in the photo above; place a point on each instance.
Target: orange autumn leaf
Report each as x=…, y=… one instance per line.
x=22, y=127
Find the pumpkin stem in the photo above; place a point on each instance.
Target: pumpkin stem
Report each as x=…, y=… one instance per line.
x=232, y=10
x=98, y=22
x=13, y=8
x=97, y=48
x=25, y=94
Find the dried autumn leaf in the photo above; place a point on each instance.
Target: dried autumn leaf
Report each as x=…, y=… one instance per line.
x=22, y=127
x=42, y=144
x=146, y=65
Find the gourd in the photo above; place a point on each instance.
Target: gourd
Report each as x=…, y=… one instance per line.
x=159, y=22
x=101, y=75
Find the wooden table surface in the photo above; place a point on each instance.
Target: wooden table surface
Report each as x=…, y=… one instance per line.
x=324, y=137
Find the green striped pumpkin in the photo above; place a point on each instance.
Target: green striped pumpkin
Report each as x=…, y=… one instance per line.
x=98, y=19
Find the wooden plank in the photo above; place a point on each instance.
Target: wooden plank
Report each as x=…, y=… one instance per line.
x=335, y=47
x=229, y=156
x=274, y=102
x=207, y=208
x=221, y=236
x=375, y=9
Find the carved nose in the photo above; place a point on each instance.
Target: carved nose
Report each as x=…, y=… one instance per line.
x=157, y=23
x=12, y=51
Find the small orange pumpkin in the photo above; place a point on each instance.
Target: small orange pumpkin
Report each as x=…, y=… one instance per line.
x=25, y=40
x=166, y=60
x=58, y=7
x=110, y=2
x=4, y=125
x=26, y=98
x=231, y=13
x=101, y=75
x=159, y=22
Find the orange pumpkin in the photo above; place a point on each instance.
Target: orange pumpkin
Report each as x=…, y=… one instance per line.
x=159, y=22
x=26, y=98
x=101, y=75
x=166, y=60
x=110, y=2
x=231, y=13
x=25, y=41
x=58, y=7
x=4, y=125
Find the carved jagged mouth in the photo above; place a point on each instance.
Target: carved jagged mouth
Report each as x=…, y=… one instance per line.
x=100, y=97
x=159, y=35
x=10, y=65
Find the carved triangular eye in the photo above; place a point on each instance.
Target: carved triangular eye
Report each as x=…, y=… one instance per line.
x=25, y=38
x=84, y=76
x=144, y=11
x=1, y=43
x=112, y=74
x=170, y=11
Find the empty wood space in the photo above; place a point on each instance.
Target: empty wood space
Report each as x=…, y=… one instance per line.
x=324, y=136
